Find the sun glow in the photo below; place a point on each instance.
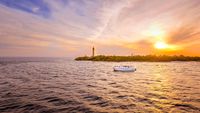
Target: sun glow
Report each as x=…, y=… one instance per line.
x=164, y=46
x=161, y=45
x=156, y=31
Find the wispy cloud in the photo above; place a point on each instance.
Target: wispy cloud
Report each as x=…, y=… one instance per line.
x=37, y=7
x=71, y=27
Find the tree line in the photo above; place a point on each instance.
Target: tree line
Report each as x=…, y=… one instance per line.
x=145, y=58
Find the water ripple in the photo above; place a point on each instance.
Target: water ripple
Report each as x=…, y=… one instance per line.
x=92, y=87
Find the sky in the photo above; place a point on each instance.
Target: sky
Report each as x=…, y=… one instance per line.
x=70, y=28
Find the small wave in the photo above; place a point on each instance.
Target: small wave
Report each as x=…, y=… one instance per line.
x=120, y=106
x=122, y=96
x=188, y=106
x=92, y=98
x=32, y=106
x=144, y=100
x=103, y=79
x=59, y=101
x=90, y=85
x=113, y=92
x=112, y=83
x=79, y=109
x=101, y=103
x=155, y=96
x=9, y=107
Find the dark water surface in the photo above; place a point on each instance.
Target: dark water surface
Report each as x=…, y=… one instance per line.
x=63, y=86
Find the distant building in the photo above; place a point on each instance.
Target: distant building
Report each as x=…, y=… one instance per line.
x=93, y=51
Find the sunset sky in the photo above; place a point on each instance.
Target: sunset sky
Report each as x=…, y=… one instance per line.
x=69, y=28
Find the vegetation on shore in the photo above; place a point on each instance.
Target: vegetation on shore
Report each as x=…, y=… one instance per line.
x=146, y=58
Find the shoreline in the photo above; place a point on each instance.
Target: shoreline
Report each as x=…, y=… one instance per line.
x=139, y=58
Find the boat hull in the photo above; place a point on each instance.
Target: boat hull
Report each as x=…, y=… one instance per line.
x=124, y=69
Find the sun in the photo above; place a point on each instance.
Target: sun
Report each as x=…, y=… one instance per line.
x=161, y=45
x=167, y=47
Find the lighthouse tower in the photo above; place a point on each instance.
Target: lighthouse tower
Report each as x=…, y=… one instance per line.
x=93, y=51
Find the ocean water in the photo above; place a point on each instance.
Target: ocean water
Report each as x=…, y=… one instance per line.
x=48, y=85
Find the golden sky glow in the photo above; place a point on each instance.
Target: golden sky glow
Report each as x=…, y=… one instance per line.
x=161, y=45
x=114, y=27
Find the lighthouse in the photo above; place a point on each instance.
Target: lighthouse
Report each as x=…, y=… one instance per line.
x=93, y=50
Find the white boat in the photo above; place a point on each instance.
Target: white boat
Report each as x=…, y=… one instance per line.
x=124, y=68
